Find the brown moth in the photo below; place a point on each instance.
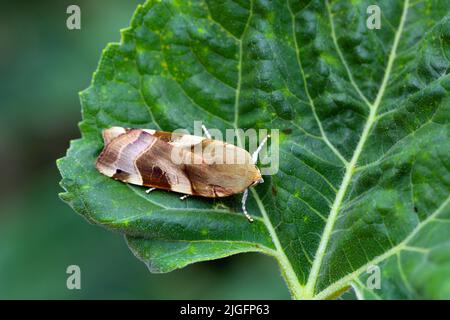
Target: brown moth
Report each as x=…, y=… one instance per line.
x=145, y=157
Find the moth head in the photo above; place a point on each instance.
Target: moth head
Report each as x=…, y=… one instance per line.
x=259, y=180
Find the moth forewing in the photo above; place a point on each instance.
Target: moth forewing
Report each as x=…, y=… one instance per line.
x=112, y=133
x=145, y=157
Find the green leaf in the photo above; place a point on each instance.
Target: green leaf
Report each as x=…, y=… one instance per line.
x=364, y=150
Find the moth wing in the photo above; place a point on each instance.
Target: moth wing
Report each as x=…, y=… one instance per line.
x=145, y=157
x=226, y=170
x=141, y=157
x=111, y=133
x=117, y=160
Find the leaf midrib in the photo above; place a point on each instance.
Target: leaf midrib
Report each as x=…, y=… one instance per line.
x=308, y=290
x=350, y=168
x=394, y=250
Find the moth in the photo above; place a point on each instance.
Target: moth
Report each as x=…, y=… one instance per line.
x=170, y=161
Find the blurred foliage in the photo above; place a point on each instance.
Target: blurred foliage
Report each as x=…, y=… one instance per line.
x=43, y=66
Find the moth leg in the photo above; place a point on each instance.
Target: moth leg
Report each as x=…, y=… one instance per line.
x=149, y=190
x=207, y=134
x=258, y=150
x=184, y=196
x=244, y=208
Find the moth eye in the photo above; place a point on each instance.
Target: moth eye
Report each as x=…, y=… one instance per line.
x=119, y=171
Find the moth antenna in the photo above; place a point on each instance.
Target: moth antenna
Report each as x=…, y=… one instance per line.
x=258, y=150
x=207, y=134
x=244, y=208
x=149, y=190
x=184, y=197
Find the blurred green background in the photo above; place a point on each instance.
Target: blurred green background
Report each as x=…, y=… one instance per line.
x=43, y=66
